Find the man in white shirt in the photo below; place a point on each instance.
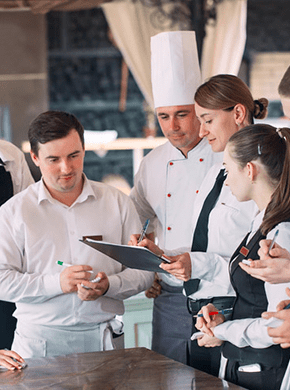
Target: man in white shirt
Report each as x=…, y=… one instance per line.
x=170, y=176
x=15, y=176
x=56, y=314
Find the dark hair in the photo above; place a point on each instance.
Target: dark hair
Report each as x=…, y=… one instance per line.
x=284, y=86
x=52, y=125
x=225, y=91
x=271, y=147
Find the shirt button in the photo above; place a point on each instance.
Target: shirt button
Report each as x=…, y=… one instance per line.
x=196, y=191
x=171, y=163
x=201, y=159
x=169, y=228
x=169, y=195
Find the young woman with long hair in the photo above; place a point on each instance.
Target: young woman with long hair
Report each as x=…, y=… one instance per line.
x=257, y=161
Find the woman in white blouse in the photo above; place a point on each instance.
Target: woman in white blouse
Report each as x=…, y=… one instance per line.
x=257, y=161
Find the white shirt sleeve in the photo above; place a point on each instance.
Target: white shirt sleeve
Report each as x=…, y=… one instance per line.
x=21, y=286
x=129, y=282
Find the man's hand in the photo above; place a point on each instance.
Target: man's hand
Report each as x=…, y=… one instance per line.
x=272, y=269
x=155, y=290
x=180, y=266
x=93, y=290
x=281, y=334
x=70, y=277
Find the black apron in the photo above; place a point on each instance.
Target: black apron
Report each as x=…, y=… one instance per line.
x=250, y=302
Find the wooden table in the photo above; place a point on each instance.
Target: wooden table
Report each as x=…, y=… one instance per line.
x=130, y=369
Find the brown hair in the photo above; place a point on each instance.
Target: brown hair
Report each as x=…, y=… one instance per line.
x=284, y=86
x=271, y=147
x=52, y=125
x=225, y=91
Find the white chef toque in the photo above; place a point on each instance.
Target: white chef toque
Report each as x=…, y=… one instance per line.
x=175, y=72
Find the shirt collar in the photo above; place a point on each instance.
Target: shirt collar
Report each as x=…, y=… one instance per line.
x=44, y=195
x=198, y=148
x=258, y=220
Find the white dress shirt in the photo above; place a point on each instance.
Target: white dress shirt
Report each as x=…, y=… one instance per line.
x=165, y=188
x=36, y=231
x=16, y=164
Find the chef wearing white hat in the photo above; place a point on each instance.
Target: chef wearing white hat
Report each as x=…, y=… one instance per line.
x=169, y=178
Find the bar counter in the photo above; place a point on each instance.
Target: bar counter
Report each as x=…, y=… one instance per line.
x=130, y=369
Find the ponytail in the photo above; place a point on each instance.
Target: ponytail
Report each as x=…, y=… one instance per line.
x=271, y=147
x=278, y=210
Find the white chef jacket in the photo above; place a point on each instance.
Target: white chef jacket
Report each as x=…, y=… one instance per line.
x=165, y=188
x=253, y=331
x=16, y=164
x=36, y=231
x=229, y=222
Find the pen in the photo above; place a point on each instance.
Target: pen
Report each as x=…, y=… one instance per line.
x=287, y=307
x=273, y=242
x=145, y=227
x=63, y=264
x=211, y=313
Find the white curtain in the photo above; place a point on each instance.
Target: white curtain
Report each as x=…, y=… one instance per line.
x=132, y=29
x=224, y=44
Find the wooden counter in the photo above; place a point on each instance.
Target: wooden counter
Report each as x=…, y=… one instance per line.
x=130, y=369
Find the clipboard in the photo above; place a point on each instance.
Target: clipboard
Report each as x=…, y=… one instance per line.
x=136, y=257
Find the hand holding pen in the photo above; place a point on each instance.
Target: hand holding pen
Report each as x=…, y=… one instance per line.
x=249, y=262
x=273, y=242
x=95, y=280
x=210, y=317
x=197, y=335
x=72, y=275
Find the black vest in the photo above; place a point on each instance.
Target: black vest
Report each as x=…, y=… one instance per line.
x=251, y=302
x=6, y=185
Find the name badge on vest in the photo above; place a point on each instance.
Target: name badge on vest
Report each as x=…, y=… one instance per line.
x=244, y=251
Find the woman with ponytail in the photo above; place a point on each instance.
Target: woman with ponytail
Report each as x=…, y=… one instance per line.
x=257, y=161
